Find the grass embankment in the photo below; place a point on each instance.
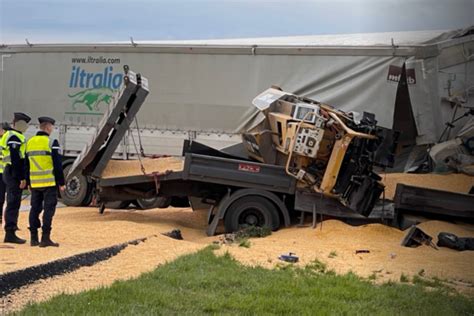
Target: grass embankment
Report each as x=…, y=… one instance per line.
x=203, y=283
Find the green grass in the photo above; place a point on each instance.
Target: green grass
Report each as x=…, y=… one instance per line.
x=372, y=277
x=202, y=283
x=316, y=266
x=253, y=232
x=433, y=283
x=332, y=254
x=244, y=243
x=404, y=278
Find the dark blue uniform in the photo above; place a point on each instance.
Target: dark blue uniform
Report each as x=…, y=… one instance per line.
x=12, y=175
x=3, y=190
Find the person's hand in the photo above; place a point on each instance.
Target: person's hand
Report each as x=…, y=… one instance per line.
x=22, y=184
x=62, y=188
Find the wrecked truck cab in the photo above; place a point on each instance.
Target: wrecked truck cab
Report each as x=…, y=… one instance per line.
x=325, y=149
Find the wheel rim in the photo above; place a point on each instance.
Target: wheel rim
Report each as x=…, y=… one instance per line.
x=252, y=217
x=73, y=187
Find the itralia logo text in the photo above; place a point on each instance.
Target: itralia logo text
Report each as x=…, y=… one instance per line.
x=91, y=89
x=80, y=78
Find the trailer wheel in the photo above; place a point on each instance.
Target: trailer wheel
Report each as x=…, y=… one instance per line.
x=154, y=202
x=251, y=211
x=77, y=189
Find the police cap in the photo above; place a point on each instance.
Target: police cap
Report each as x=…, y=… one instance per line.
x=5, y=126
x=45, y=119
x=18, y=116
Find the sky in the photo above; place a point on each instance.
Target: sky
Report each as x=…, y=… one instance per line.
x=76, y=21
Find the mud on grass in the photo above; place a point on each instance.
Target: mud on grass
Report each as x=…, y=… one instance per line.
x=205, y=283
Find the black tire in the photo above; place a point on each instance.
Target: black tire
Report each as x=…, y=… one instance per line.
x=117, y=205
x=88, y=200
x=251, y=211
x=78, y=190
x=155, y=202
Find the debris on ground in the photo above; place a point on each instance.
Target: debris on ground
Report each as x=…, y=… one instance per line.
x=289, y=257
x=416, y=237
x=454, y=242
x=226, y=239
x=175, y=234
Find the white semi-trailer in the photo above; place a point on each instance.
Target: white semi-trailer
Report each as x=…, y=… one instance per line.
x=203, y=90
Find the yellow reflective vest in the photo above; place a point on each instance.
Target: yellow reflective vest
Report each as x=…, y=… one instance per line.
x=38, y=151
x=6, y=158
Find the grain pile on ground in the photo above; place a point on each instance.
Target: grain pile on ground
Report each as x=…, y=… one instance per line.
x=83, y=229
x=453, y=182
x=125, y=168
x=336, y=245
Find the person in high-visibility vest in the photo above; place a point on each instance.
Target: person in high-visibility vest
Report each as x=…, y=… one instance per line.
x=44, y=177
x=13, y=152
x=3, y=128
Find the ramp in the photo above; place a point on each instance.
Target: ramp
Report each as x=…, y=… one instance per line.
x=113, y=126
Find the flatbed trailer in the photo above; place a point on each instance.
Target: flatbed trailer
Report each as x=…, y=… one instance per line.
x=236, y=190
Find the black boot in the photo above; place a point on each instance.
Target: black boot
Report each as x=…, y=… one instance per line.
x=34, y=237
x=11, y=237
x=46, y=241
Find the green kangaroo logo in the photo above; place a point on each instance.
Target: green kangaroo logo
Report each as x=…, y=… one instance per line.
x=91, y=98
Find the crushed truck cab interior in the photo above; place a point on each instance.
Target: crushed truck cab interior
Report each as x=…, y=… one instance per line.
x=326, y=150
